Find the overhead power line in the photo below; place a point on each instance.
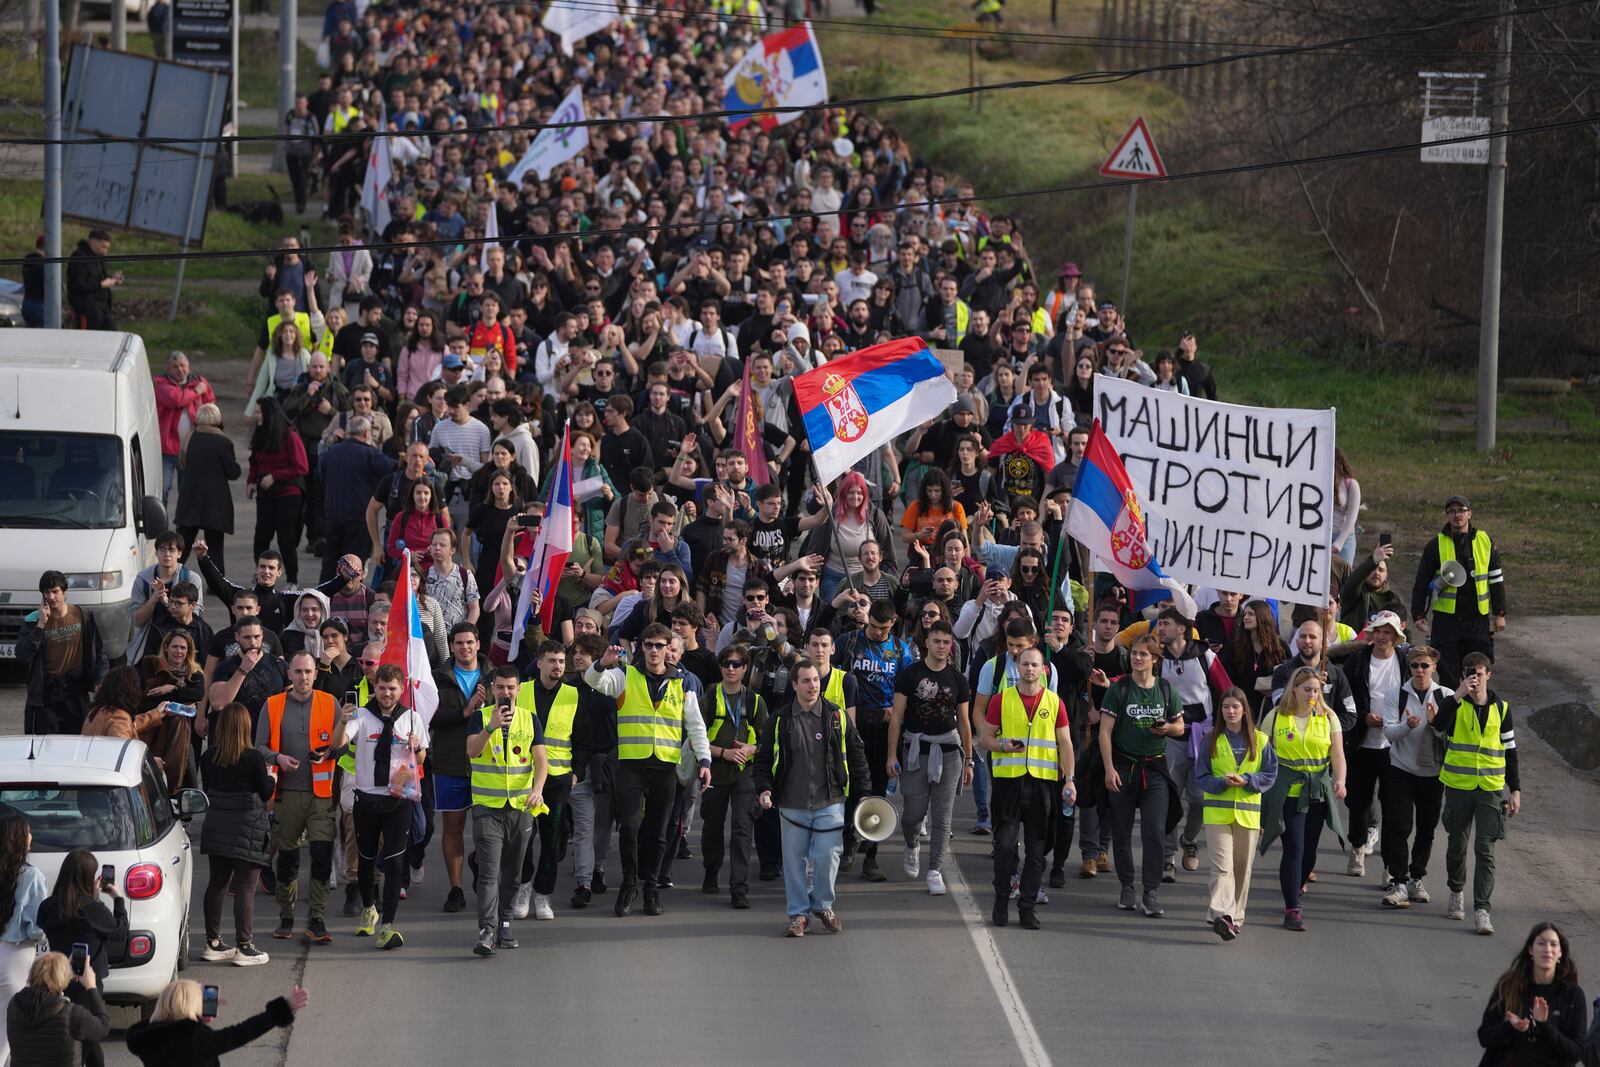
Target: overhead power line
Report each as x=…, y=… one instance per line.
x=636, y=230
x=1095, y=77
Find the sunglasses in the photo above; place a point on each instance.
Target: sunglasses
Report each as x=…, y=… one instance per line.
x=655, y=646
x=1029, y=570
x=369, y=663
x=733, y=664
x=1421, y=666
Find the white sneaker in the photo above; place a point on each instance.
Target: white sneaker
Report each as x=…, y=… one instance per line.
x=1042, y=897
x=936, y=885
x=923, y=832
x=1417, y=891
x=216, y=952
x=519, y=906
x=1457, y=908
x=1397, y=897
x=1483, y=925
x=1358, y=863
x=417, y=872
x=1016, y=887
x=1372, y=840
x=541, y=907
x=913, y=861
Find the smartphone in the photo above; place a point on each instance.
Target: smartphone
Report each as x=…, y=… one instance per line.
x=108, y=875
x=79, y=958
x=351, y=697
x=188, y=711
x=1385, y=539
x=210, y=997
x=529, y=522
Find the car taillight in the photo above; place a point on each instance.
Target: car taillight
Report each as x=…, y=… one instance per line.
x=142, y=881
x=140, y=946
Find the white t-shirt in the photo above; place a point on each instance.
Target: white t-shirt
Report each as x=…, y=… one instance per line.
x=368, y=728
x=1383, y=689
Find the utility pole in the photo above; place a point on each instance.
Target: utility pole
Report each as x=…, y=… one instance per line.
x=1493, y=233
x=119, y=25
x=52, y=164
x=288, y=32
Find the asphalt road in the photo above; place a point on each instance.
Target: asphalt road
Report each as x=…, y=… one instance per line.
x=921, y=980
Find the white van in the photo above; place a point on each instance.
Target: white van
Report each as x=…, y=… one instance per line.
x=80, y=454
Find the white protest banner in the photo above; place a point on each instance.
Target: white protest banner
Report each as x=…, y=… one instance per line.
x=572, y=21
x=558, y=142
x=1235, y=498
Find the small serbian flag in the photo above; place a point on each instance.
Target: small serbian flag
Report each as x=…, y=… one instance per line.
x=407, y=649
x=856, y=403
x=1105, y=517
x=551, y=549
x=783, y=68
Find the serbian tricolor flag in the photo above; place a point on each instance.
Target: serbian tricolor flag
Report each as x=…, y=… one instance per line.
x=1105, y=517
x=783, y=68
x=856, y=403
x=747, y=422
x=407, y=649
x=551, y=548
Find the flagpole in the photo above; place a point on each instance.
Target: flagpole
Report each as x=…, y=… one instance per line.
x=1055, y=570
x=834, y=526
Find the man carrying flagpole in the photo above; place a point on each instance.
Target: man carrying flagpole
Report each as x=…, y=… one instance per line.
x=551, y=548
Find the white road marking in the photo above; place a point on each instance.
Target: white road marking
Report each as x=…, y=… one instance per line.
x=1029, y=1043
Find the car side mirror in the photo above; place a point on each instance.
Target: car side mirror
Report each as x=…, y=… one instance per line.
x=191, y=802
x=152, y=517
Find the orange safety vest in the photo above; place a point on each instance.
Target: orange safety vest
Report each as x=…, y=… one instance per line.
x=323, y=713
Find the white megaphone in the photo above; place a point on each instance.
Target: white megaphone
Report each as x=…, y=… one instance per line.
x=1452, y=573
x=875, y=819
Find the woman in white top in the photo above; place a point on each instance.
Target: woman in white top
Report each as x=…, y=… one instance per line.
x=390, y=743
x=1346, y=507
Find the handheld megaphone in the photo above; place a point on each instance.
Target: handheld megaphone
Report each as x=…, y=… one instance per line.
x=1453, y=574
x=875, y=819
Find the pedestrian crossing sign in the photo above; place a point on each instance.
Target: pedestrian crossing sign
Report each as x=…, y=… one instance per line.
x=1135, y=155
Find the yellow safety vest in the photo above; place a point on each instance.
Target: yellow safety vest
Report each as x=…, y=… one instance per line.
x=1304, y=752
x=721, y=716
x=347, y=762
x=833, y=692
x=301, y=320
x=342, y=117
x=1474, y=757
x=646, y=728
x=557, y=728
x=1235, y=804
x=1445, y=601
x=1040, y=759
x=502, y=773
x=963, y=317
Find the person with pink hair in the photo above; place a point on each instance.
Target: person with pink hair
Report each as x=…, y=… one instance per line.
x=837, y=524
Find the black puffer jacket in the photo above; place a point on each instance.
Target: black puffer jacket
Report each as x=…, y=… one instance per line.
x=190, y=1043
x=236, y=824
x=46, y=1029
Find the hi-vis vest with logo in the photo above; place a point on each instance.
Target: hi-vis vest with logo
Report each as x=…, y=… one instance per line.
x=1235, y=804
x=1475, y=757
x=502, y=774
x=557, y=728
x=1445, y=601
x=646, y=728
x=324, y=713
x=1305, y=752
x=1040, y=758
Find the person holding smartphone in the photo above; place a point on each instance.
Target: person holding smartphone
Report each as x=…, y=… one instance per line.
x=74, y=914
x=58, y=1013
x=179, y=1031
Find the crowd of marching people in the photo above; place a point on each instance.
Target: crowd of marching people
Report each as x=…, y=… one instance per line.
x=729, y=657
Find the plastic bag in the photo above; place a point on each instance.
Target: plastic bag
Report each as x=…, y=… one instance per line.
x=404, y=781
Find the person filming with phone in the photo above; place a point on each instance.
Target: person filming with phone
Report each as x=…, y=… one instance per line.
x=74, y=915
x=57, y=1014
x=179, y=1033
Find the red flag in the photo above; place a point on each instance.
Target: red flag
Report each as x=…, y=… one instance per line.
x=747, y=422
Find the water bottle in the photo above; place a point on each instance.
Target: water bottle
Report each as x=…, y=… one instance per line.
x=892, y=788
x=1066, y=808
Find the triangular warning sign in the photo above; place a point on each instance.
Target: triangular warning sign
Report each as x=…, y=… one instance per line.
x=1135, y=155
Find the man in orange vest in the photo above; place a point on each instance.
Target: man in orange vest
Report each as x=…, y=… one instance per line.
x=300, y=731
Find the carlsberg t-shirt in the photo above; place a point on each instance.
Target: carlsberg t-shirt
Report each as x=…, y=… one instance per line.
x=1136, y=710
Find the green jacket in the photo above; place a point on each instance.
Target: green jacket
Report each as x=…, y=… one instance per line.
x=1317, y=787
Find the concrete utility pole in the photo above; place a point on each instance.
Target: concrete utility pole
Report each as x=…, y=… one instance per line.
x=119, y=25
x=1493, y=232
x=288, y=34
x=52, y=163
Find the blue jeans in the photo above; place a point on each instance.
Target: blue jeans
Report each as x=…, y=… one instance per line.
x=828, y=584
x=1302, y=831
x=169, y=480
x=982, y=782
x=1347, y=550
x=817, y=836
